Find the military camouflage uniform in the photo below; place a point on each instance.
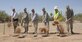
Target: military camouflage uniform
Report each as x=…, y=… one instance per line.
x=25, y=21
x=35, y=21
x=46, y=20
x=69, y=17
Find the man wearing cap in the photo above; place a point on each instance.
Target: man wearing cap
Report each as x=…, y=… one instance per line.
x=46, y=19
x=15, y=19
x=35, y=21
x=69, y=18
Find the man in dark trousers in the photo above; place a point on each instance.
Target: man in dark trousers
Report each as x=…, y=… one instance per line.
x=15, y=19
x=69, y=20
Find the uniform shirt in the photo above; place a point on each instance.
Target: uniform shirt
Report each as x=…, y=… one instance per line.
x=26, y=17
x=15, y=15
x=69, y=13
x=35, y=17
x=23, y=15
x=45, y=17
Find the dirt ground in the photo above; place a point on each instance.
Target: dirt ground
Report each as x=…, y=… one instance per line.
x=8, y=36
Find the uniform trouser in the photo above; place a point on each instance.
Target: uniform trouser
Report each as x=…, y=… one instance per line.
x=35, y=26
x=26, y=27
x=70, y=27
x=47, y=25
x=15, y=24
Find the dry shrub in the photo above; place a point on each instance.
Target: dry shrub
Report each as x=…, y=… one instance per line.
x=44, y=30
x=9, y=24
x=18, y=30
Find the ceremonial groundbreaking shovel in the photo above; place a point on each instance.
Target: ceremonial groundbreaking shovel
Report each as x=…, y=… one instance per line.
x=4, y=27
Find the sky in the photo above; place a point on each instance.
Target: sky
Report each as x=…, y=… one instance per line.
x=19, y=5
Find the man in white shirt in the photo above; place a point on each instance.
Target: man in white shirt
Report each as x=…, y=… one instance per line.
x=14, y=19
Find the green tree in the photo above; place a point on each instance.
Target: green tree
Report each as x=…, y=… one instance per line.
x=78, y=17
x=3, y=16
x=51, y=17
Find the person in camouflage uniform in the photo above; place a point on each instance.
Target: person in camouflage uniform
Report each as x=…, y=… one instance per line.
x=35, y=21
x=69, y=18
x=46, y=19
x=25, y=20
